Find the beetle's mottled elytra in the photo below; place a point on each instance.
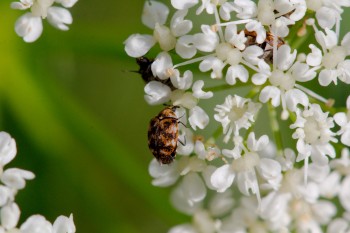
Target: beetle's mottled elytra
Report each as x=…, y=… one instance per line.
x=146, y=72
x=163, y=135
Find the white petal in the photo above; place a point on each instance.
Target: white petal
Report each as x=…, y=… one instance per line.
x=179, y=26
x=245, y=9
x=257, y=145
x=29, y=27
x=164, y=36
x=221, y=203
x=301, y=72
x=8, y=148
x=328, y=41
x=315, y=57
x=270, y=92
x=37, y=224
x=340, y=118
x=184, y=99
x=183, y=4
x=259, y=29
x=59, y=17
x=236, y=72
x=206, y=41
x=63, y=224
x=163, y=176
x=154, y=12
x=185, y=47
x=324, y=211
x=222, y=178
x=6, y=194
x=21, y=5
x=345, y=138
x=186, y=136
x=285, y=57
x=156, y=93
x=344, y=71
x=198, y=118
x=10, y=215
x=182, y=83
x=214, y=64
x=327, y=76
x=66, y=3
x=252, y=53
x=161, y=65
x=269, y=168
x=326, y=17
x=15, y=178
x=295, y=97
x=193, y=188
x=138, y=45
x=198, y=92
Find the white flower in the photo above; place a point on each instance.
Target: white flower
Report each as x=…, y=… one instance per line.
x=333, y=58
x=37, y=224
x=243, y=169
x=157, y=93
x=183, y=4
x=138, y=45
x=198, y=92
x=29, y=26
x=313, y=131
x=236, y=113
x=207, y=40
x=16, y=178
x=283, y=80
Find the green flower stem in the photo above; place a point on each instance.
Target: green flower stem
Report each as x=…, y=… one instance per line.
x=275, y=128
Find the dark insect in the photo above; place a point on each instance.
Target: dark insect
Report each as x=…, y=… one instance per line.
x=146, y=72
x=267, y=45
x=163, y=135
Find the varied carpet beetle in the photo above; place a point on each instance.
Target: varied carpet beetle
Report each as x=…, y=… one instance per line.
x=146, y=72
x=163, y=135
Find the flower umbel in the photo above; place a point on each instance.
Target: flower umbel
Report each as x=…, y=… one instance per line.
x=270, y=179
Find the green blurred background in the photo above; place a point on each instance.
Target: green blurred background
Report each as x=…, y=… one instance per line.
x=80, y=121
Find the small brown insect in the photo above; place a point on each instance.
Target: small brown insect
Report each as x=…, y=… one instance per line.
x=163, y=135
x=267, y=45
x=146, y=72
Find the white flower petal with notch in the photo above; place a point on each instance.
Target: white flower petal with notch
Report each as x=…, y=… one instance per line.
x=225, y=10
x=154, y=12
x=22, y=5
x=164, y=36
x=327, y=76
x=184, y=99
x=59, y=17
x=236, y=72
x=198, y=92
x=29, y=27
x=343, y=70
x=270, y=92
x=214, y=64
x=222, y=178
x=138, y=45
x=182, y=83
x=64, y=224
x=326, y=17
x=178, y=25
x=315, y=57
x=206, y=41
x=252, y=55
x=285, y=57
x=163, y=176
x=294, y=97
x=245, y=9
x=185, y=47
x=259, y=29
x=198, y=118
x=16, y=178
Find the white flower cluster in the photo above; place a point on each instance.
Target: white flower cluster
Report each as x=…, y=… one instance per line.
x=13, y=180
x=30, y=26
x=236, y=181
